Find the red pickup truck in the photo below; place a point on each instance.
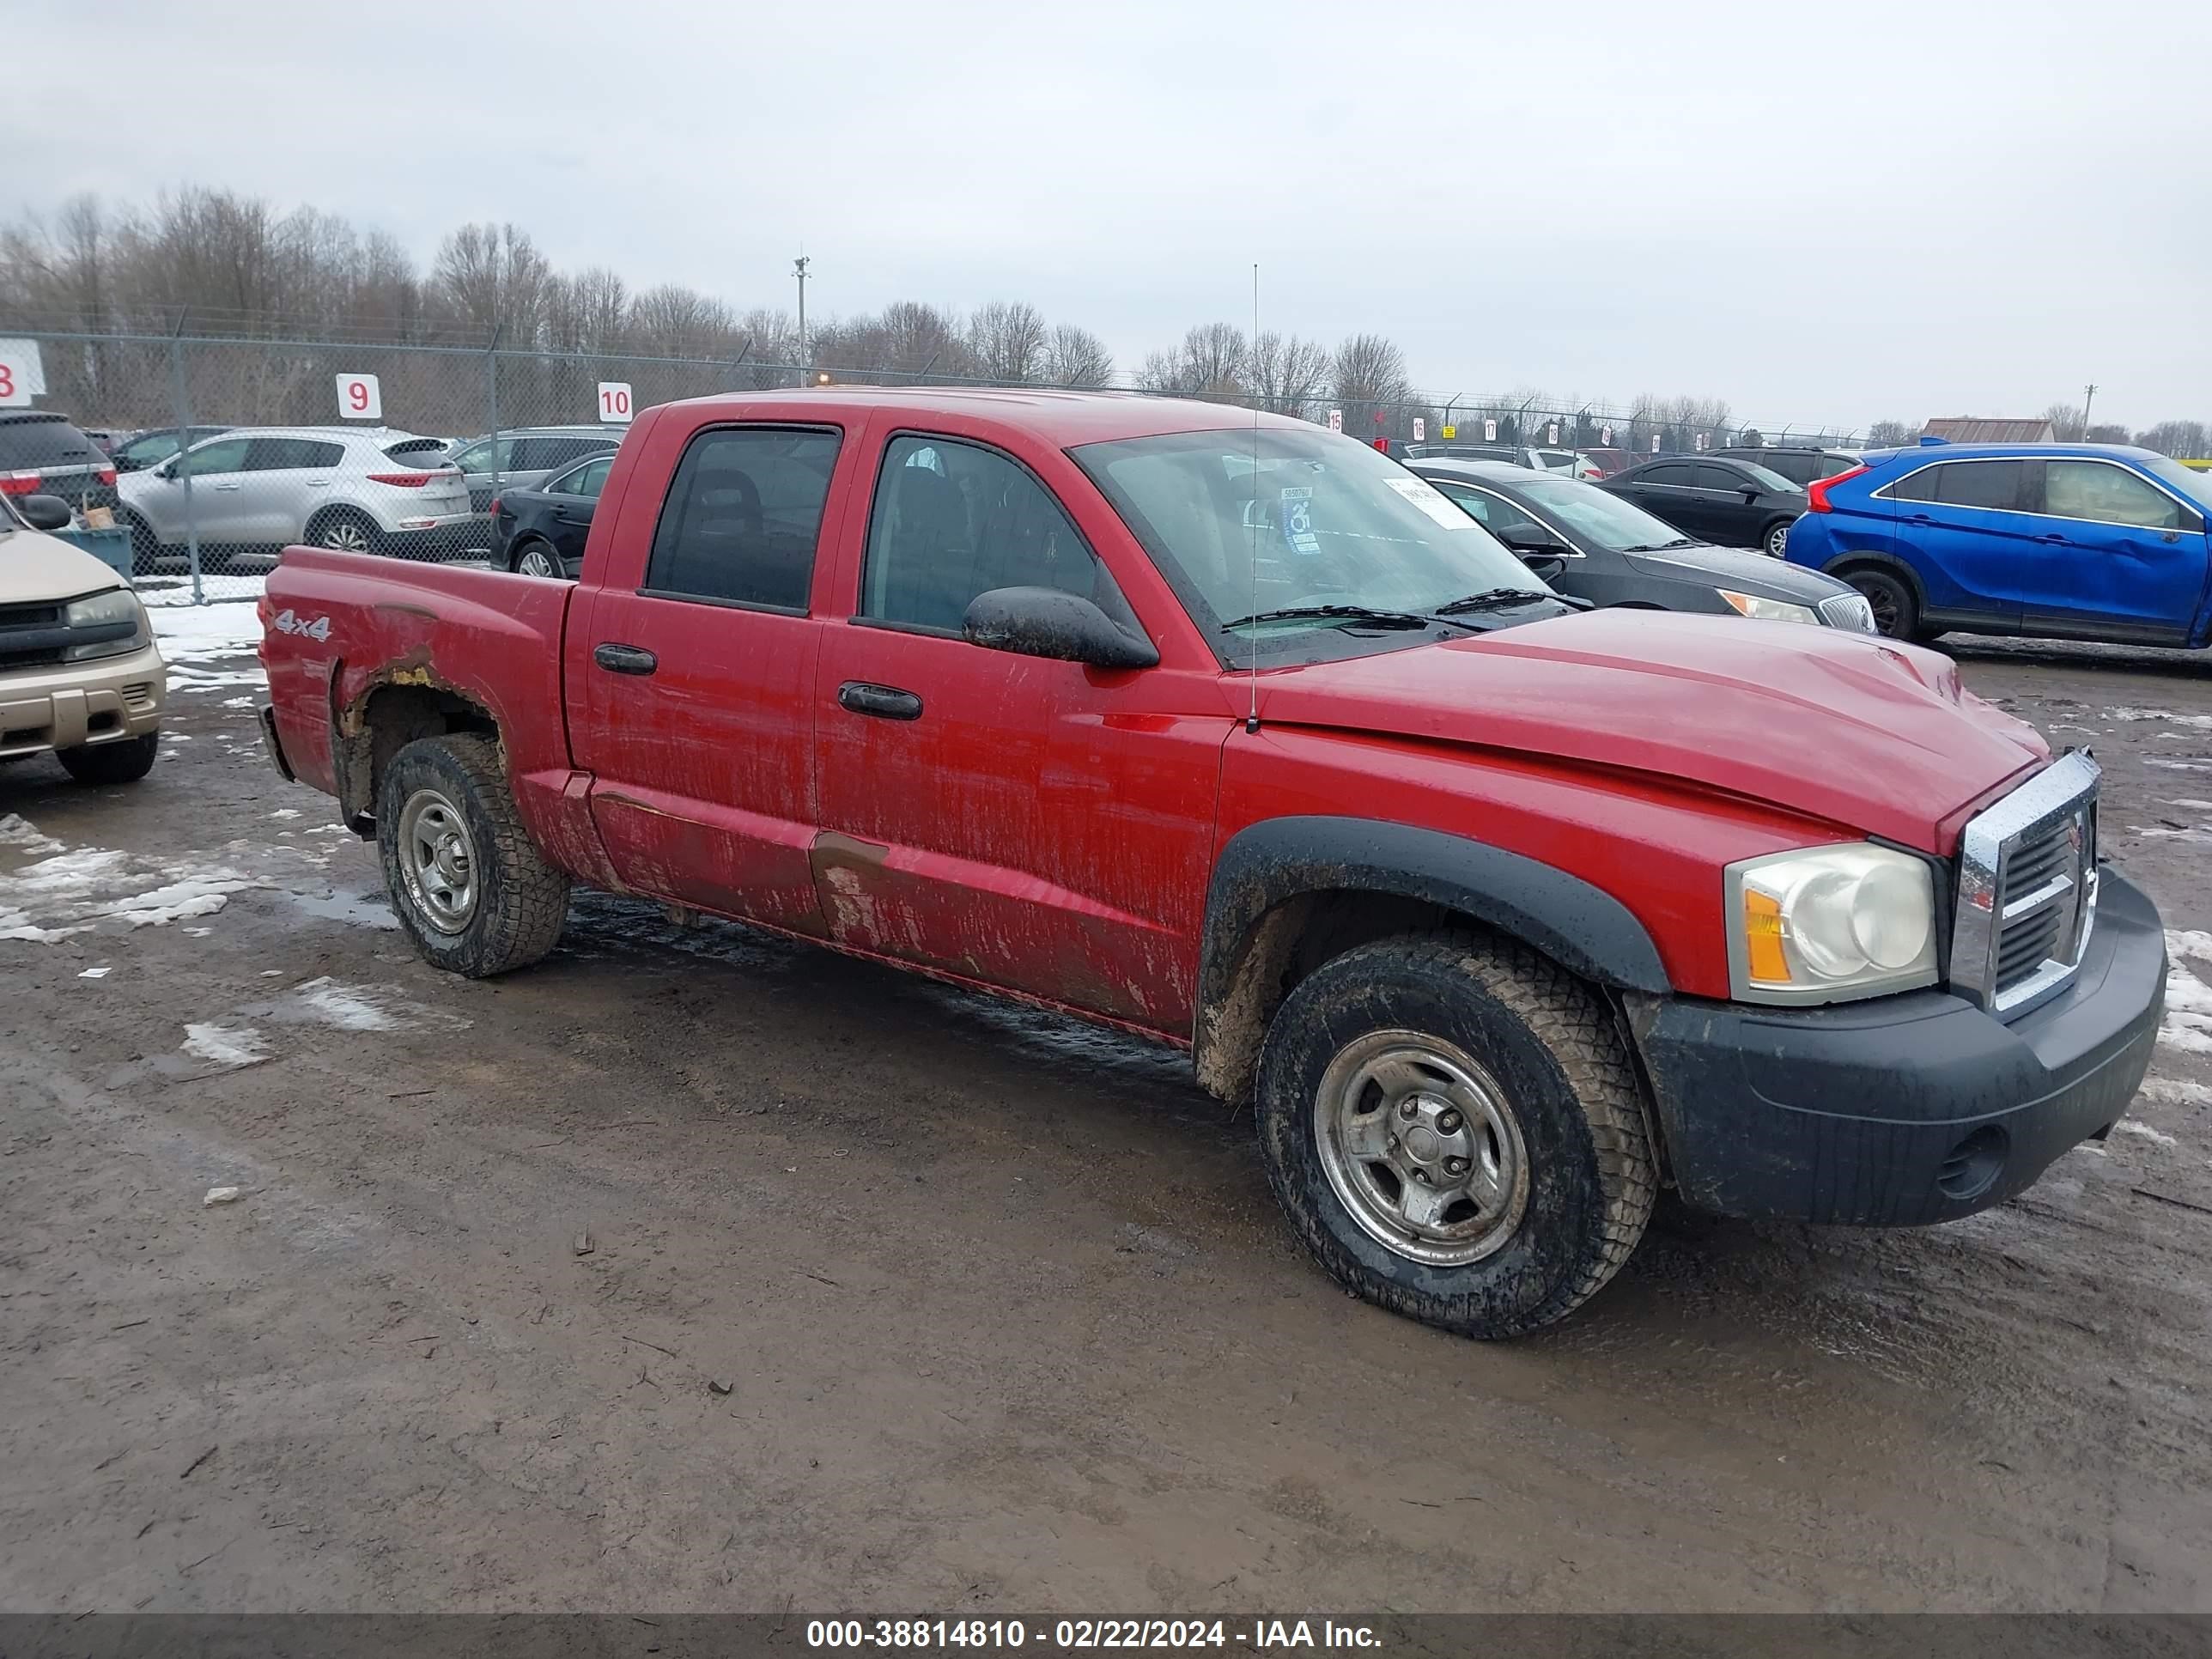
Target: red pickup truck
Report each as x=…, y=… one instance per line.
x=1231, y=732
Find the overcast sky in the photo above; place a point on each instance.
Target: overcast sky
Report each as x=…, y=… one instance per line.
x=1840, y=212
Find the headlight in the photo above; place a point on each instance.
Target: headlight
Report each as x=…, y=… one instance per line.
x=1830, y=924
x=109, y=624
x=1750, y=604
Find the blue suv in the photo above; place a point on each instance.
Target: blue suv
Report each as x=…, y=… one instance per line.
x=2061, y=541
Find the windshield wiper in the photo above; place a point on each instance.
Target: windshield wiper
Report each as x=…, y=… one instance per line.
x=1493, y=598
x=1343, y=614
x=1661, y=547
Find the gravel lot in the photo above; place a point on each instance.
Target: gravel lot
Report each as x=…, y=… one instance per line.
x=697, y=1271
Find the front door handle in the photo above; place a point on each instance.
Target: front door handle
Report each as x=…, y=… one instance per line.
x=624, y=659
x=883, y=702
x=2053, y=541
x=229, y=486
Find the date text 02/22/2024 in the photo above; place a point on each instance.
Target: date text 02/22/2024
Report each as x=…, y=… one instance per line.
x=1291, y=1634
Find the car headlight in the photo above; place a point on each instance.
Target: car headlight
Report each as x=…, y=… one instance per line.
x=1829, y=924
x=109, y=624
x=1750, y=604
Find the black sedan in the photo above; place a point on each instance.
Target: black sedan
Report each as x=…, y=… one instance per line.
x=541, y=532
x=1724, y=503
x=1592, y=545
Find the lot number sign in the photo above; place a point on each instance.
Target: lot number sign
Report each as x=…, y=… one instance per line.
x=359, y=398
x=614, y=400
x=1336, y=420
x=23, y=374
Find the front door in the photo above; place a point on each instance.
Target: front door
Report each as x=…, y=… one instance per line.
x=1035, y=825
x=2128, y=559
x=212, y=503
x=696, y=671
x=1667, y=490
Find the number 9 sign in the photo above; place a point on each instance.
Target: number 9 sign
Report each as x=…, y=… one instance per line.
x=359, y=398
x=614, y=400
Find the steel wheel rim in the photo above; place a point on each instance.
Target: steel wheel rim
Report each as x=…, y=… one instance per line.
x=535, y=563
x=438, y=861
x=1419, y=1146
x=1778, y=540
x=345, y=536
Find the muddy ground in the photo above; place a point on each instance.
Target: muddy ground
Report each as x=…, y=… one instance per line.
x=1004, y=1309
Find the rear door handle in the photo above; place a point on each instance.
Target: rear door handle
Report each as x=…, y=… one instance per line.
x=624, y=659
x=230, y=486
x=883, y=702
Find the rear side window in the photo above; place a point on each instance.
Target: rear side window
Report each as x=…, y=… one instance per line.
x=37, y=442
x=290, y=454
x=953, y=520
x=1666, y=473
x=1720, y=478
x=1998, y=486
x=743, y=516
x=1798, y=469
x=2106, y=495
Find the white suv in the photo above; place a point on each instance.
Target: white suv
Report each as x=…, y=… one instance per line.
x=268, y=488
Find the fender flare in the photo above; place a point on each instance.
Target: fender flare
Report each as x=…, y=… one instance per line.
x=1581, y=927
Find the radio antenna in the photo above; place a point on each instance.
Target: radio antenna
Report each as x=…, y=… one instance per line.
x=1252, y=523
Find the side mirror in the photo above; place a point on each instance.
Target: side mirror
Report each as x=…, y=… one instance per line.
x=166, y=469
x=1750, y=493
x=45, y=511
x=1043, y=622
x=1544, y=566
x=1528, y=540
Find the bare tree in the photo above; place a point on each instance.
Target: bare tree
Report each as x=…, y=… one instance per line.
x=1892, y=434
x=1161, y=371
x=494, y=280
x=674, y=321
x=1076, y=356
x=1369, y=375
x=1288, y=374
x=1006, y=341
x=2068, y=422
x=2189, y=438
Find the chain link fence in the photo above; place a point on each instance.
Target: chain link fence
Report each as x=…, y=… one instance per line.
x=225, y=451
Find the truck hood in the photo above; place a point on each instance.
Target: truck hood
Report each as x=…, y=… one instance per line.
x=35, y=568
x=1870, y=735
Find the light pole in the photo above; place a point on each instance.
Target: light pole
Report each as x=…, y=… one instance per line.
x=798, y=269
x=2088, y=397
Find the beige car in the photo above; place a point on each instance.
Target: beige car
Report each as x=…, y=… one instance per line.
x=79, y=673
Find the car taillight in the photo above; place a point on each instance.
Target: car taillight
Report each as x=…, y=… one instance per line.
x=20, y=484
x=401, y=480
x=1816, y=493
x=494, y=509
x=265, y=611
x=107, y=477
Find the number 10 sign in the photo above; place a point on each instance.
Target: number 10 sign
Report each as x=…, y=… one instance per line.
x=614, y=400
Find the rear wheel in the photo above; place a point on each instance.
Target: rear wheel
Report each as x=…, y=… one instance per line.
x=343, y=530
x=1896, y=612
x=1456, y=1131
x=145, y=551
x=467, y=885
x=537, y=558
x=118, y=761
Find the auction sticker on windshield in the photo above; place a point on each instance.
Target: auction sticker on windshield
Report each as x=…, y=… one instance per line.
x=1430, y=502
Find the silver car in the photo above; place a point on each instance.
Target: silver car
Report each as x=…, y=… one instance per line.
x=267, y=488
x=527, y=455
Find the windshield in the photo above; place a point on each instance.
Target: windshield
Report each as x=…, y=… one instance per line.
x=1245, y=522
x=2197, y=486
x=1617, y=525
x=1767, y=478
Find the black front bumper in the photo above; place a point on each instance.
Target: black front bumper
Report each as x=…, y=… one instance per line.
x=1902, y=1109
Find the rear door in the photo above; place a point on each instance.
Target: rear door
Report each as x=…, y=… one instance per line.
x=1035, y=825
x=695, y=705
x=1969, y=530
x=2124, y=558
x=1667, y=490
x=282, y=483
x=574, y=498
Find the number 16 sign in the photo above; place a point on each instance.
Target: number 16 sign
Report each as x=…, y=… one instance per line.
x=614, y=400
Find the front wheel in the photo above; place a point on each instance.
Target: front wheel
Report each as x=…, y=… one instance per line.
x=1456, y=1131
x=1777, y=539
x=120, y=760
x=470, y=888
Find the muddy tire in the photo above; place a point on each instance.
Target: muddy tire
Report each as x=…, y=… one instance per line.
x=117, y=761
x=1456, y=1131
x=467, y=885
x=1896, y=611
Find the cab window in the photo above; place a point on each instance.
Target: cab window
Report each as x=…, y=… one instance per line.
x=742, y=517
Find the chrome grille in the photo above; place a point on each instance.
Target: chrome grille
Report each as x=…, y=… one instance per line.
x=1849, y=611
x=2027, y=890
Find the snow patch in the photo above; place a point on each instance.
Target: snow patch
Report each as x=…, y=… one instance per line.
x=2178, y=765
x=2203, y=722
x=15, y=832
x=2177, y=1091
x=2189, y=942
x=2137, y=1127
x=74, y=892
x=2188, y=1024
x=226, y=1045
x=327, y=1001
x=2193, y=806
